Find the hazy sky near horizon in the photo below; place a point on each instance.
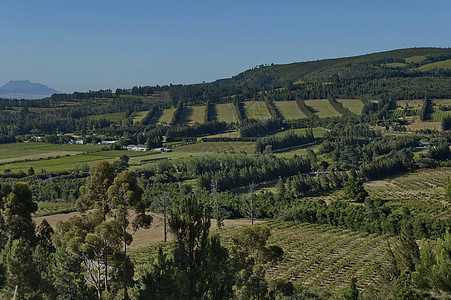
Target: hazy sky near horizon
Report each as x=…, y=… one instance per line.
x=98, y=44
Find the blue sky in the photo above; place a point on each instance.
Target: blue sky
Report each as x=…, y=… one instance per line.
x=97, y=44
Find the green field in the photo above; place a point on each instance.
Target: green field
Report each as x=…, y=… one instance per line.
x=317, y=132
x=224, y=112
x=415, y=59
x=193, y=114
x=411, y=104
x=418, y=125
x=34, y=151
x=289, y=110
x=354, y=105
x=138, y=116
x=445, y=64
x=114, y=117
x=395, y=65
x=217, y=147
x=231, y=134
x=322, y=108
x=68, y=162
x=256, y=110
x=164, y=117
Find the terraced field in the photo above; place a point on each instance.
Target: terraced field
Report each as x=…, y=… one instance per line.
x=224, y=112
x=354, y=105
x=322, y=108
x=422, y=192
x=323, y=256
x=256, y=110
x=289, y=110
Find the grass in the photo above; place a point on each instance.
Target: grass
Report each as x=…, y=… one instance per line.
x=68, y=162
x=412, y=104
x=395, y=65
x=164, y=117
x=114, y=117
x=299, y=151
x=256, y=110
x=216, y=147
x=138, y=116
x=193, y=114
x=231, y=134
x=445, y=64
x=415, y=59
x=289, y=110
x=317, y=132
x=224, y=112
x=34, y=151
x=354, y=105
x=322, y=108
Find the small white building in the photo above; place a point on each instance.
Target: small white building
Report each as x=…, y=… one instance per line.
x=136, y=147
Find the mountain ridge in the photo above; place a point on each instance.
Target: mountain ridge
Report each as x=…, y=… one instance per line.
x=24, y=89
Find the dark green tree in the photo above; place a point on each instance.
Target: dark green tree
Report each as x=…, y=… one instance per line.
x=355, y=190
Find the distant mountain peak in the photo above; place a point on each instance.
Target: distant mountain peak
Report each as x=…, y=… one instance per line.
x=24, y=89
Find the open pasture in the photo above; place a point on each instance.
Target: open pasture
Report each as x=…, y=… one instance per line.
x=289, y=110
x=256, y=110
x=224, y=112
x=193, y=114
x=354, y=105
x=138, y=116
x=445, y=64
x=114, y=117
x=164, y=116
x=68, y=162
x=34, y=151
x=217, y=147
x=322, y=108
x=317, y=132
x=411, y=104
x=415, y=59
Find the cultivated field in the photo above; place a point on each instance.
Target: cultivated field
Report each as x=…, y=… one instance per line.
x=418, y=125
x=354, y=105
x=422, y=191
x=289, y=110
x=322, y=108
x=164, y=116
x=412, y=104
x=114, y=117
x=224, y=112
x=193, y=114
x=138, y=116
x=217, y=147
x=317, y=132
x=323, y=256
x=256, y=110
